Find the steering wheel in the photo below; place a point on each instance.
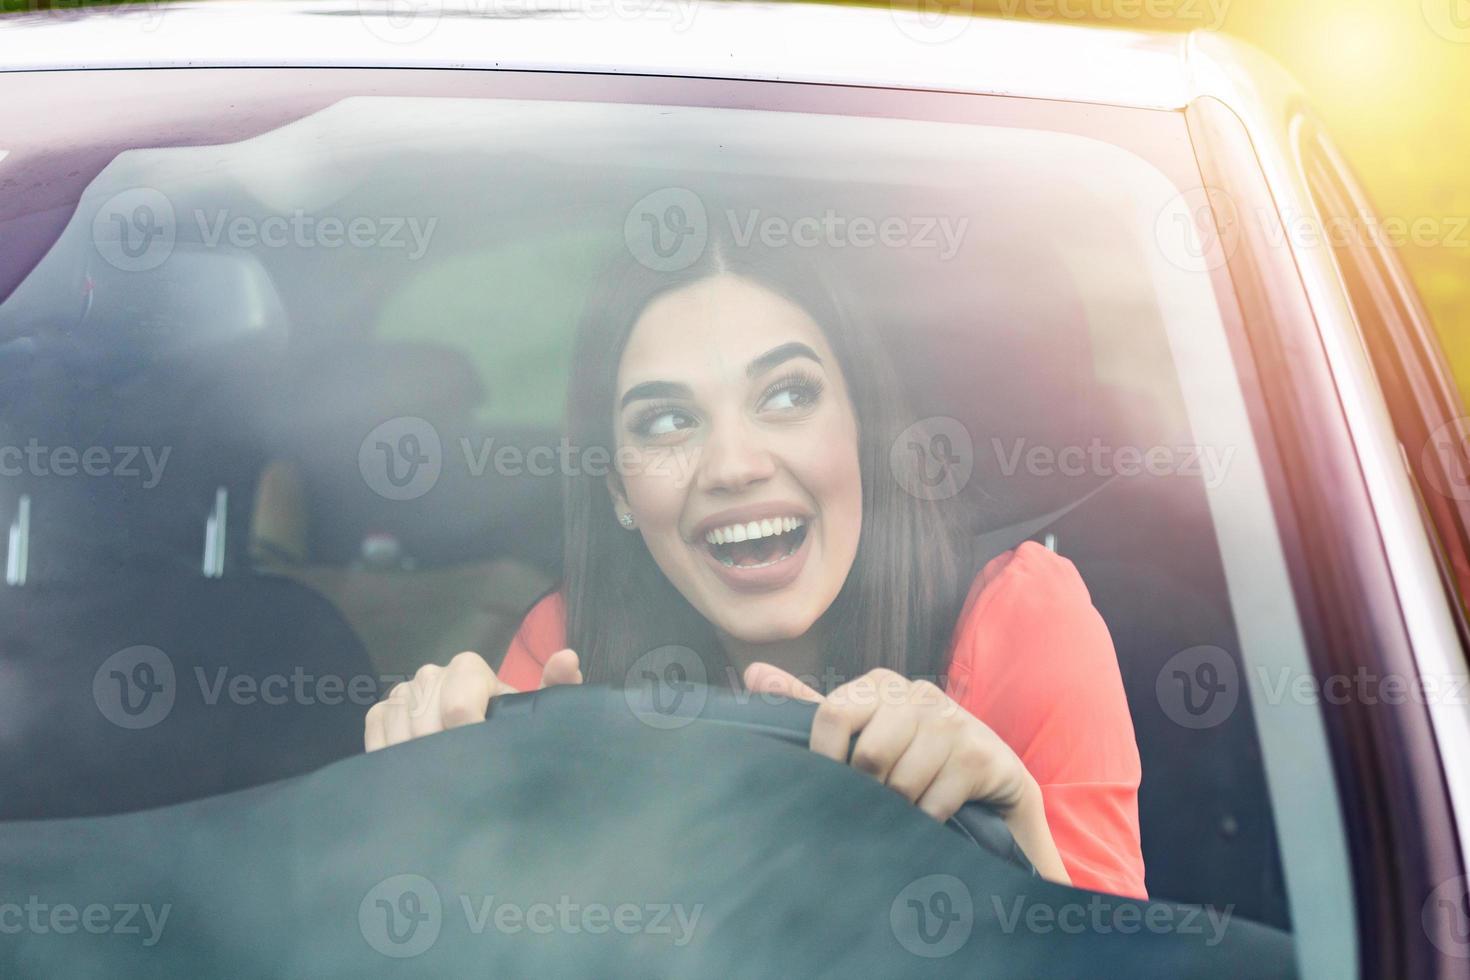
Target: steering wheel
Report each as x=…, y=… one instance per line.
x=787, y=720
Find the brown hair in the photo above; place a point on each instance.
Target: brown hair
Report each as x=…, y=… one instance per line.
x=897, y=608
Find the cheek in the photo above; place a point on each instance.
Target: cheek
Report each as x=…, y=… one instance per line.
x=830, y=469
x=656, y=489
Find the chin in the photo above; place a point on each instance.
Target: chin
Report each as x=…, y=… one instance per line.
x=754, y=624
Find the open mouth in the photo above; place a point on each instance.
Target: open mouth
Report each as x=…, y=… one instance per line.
x=756, y=544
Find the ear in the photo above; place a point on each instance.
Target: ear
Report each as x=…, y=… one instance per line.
x=619, y=498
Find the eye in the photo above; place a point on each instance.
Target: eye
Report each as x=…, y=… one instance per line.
x=793, y=393
x=661, y=420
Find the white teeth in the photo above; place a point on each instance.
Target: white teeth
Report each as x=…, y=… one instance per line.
x=753, y=530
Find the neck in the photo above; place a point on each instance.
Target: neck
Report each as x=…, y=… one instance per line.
x=801, y=655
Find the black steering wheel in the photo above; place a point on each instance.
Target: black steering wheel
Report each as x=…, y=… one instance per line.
x=787, y=720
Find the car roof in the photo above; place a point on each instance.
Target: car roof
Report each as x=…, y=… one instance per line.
x=822, y=43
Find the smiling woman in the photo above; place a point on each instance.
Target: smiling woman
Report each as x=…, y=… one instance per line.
x=764, y=527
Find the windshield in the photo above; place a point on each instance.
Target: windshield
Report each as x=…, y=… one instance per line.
x=286, y=397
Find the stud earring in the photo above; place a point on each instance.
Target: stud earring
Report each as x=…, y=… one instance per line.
x=626, y=520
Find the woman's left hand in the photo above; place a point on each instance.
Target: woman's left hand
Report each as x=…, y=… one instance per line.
x=915, y=739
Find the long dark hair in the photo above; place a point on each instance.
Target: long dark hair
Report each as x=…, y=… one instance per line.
x=898, y=606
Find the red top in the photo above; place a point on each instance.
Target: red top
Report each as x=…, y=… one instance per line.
x=1034, y=661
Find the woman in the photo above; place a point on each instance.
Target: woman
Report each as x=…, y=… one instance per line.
x=754, y=516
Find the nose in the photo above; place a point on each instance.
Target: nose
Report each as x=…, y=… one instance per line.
x=732, y=459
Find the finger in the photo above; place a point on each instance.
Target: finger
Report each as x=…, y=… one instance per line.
x=884, y=739
x=373, y=737
x=951, y=789
x=764, y=678
x=465, y=690
x=396, y=727
x=562, y=667
x=844, y=712
x=916, y=770
x=423, y=701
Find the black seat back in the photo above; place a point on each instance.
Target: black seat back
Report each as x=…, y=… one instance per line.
x=134, y=690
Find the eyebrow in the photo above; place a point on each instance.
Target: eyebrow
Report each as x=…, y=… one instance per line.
x=780, y=355
x=655, y=389
x=757, y=367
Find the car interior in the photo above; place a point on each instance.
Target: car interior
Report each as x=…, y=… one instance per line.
x=263, y=549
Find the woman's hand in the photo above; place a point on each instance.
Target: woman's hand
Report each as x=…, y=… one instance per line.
x=439, y=698
x=918, y=741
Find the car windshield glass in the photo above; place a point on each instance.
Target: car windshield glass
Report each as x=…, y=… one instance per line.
x=286, y=418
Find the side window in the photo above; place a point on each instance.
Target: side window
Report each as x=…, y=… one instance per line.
x=1431, y=422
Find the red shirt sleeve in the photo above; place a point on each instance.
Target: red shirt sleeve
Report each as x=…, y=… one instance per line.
x=542, y=633
x=1034, y=661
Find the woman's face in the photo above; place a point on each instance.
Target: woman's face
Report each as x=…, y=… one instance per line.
x=740, y=456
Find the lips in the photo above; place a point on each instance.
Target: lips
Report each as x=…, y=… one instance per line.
x=755, y=549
